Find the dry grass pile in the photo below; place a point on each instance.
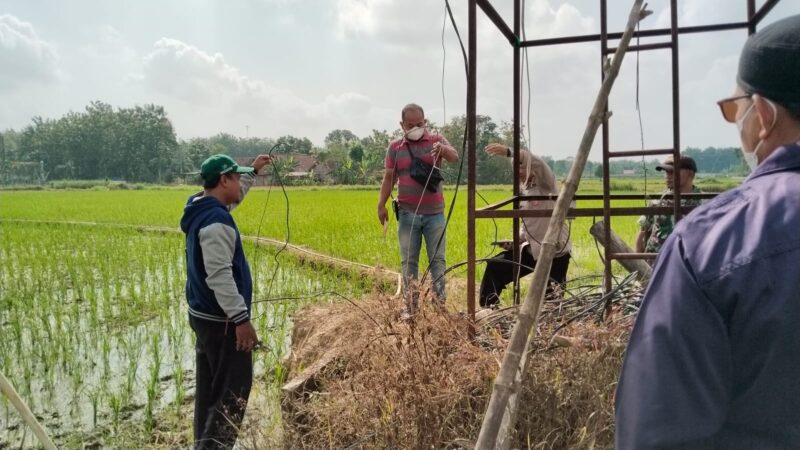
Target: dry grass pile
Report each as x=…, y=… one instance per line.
x=369, y=380
x=568, y=398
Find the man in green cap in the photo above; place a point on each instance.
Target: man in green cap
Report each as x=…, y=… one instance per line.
x=713, y=359
x=219, y=291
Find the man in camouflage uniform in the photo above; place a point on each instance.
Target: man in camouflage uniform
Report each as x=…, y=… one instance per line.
x=654, y=230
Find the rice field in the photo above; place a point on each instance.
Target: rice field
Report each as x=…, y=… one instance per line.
x=334, y=221
x=93, y=314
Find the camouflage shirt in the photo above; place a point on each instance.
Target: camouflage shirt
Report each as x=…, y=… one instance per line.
x=659, y=227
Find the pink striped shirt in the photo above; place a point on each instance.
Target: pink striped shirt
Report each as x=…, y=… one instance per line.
x=411, y=195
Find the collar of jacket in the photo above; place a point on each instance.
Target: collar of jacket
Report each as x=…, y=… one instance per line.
x=786, y=157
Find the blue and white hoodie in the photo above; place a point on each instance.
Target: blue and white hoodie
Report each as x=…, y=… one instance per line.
x=219, y=286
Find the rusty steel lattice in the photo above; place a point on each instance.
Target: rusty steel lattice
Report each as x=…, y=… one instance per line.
x=754, y=17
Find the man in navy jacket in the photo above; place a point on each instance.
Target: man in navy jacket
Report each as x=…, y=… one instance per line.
x=219, y=291
x=714, y=357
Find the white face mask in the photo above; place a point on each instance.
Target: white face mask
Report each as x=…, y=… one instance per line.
x=415, y=133
x=751, y=158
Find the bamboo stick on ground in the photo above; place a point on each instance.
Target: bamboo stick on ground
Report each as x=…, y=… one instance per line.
x=7, y=389
x=501, y=412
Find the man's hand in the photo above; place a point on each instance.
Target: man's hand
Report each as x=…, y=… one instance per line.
x=437, y=151
x=497, y=149
x=261, y=161
x=506, y=245
x=445, y=152
x=246, y=337
x=383, y=214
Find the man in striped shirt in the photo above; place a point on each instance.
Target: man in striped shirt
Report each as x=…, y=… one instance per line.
x=420, y=199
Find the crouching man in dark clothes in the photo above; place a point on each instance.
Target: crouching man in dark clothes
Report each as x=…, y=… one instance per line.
x=219, y=292
x=536, y=178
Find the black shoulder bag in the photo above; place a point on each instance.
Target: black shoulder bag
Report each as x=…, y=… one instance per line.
x=423, y=173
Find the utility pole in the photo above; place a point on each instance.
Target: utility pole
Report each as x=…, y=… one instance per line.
x=247, y=131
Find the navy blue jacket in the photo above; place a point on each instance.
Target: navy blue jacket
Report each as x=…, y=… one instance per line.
x=714, y=357
x=219, y=286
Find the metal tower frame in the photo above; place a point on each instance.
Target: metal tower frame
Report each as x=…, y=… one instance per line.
x=754, y=17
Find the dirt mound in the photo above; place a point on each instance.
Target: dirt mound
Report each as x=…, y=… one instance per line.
x=362, y=378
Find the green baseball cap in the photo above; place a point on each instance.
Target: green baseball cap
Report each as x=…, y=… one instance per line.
x=217, y=165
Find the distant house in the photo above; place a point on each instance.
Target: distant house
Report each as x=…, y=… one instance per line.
x=261, y=179
x=308, y=165
x=628, y=172
x=304, y=163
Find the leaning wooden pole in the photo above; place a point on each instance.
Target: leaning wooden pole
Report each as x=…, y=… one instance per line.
x=617, y=245
x=515, y=359
x=7, y=389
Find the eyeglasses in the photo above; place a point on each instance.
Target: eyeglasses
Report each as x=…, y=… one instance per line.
x=729, y=107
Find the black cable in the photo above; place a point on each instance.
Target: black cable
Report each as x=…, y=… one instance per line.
x=528, y=77
x=639, y=112
x=263, y=215
x=266, y=202
x=461, y=42
x=297, y=297
x=493, y=221
x=463, y=148
x=444, y=60
x=566, y=242
x=288, y=233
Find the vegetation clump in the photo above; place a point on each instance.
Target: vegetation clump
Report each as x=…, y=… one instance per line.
x=365, y=379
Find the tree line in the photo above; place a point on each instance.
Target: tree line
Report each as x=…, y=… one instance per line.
x=139, y=144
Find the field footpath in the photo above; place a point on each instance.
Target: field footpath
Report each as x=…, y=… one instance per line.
x=385, y=279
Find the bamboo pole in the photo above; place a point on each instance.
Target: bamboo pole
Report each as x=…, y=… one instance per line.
x=7, y=389
x=515, y=360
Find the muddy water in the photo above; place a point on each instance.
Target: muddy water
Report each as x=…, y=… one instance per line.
x=84, y=346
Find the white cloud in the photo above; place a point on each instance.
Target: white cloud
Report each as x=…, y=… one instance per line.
x=564, y=78
x=108, y=44
x=356, y=17
x=186, y=72
x=703, y=12
x=414, y=30
x=198, y=79
x=24, y=56
x=545, y=21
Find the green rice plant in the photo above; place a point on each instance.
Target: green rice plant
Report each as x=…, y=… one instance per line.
x=152, y=384
x=94, y=398
x=115, y=403
x=180, y=389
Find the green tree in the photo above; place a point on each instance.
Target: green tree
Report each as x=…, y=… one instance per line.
x=137, y=144
x=490, y=170
x=356, y=153
x=340, y=137
x=294, y=145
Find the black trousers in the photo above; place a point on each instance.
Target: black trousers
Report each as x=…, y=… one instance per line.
x=223, y=381
x=500, y=271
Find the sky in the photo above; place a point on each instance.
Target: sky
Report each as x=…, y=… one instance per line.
x=270, y=68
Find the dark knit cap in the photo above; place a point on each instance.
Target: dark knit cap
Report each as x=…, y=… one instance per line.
x=770, y=63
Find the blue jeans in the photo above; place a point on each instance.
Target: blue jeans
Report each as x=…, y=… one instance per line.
x=411, y=228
